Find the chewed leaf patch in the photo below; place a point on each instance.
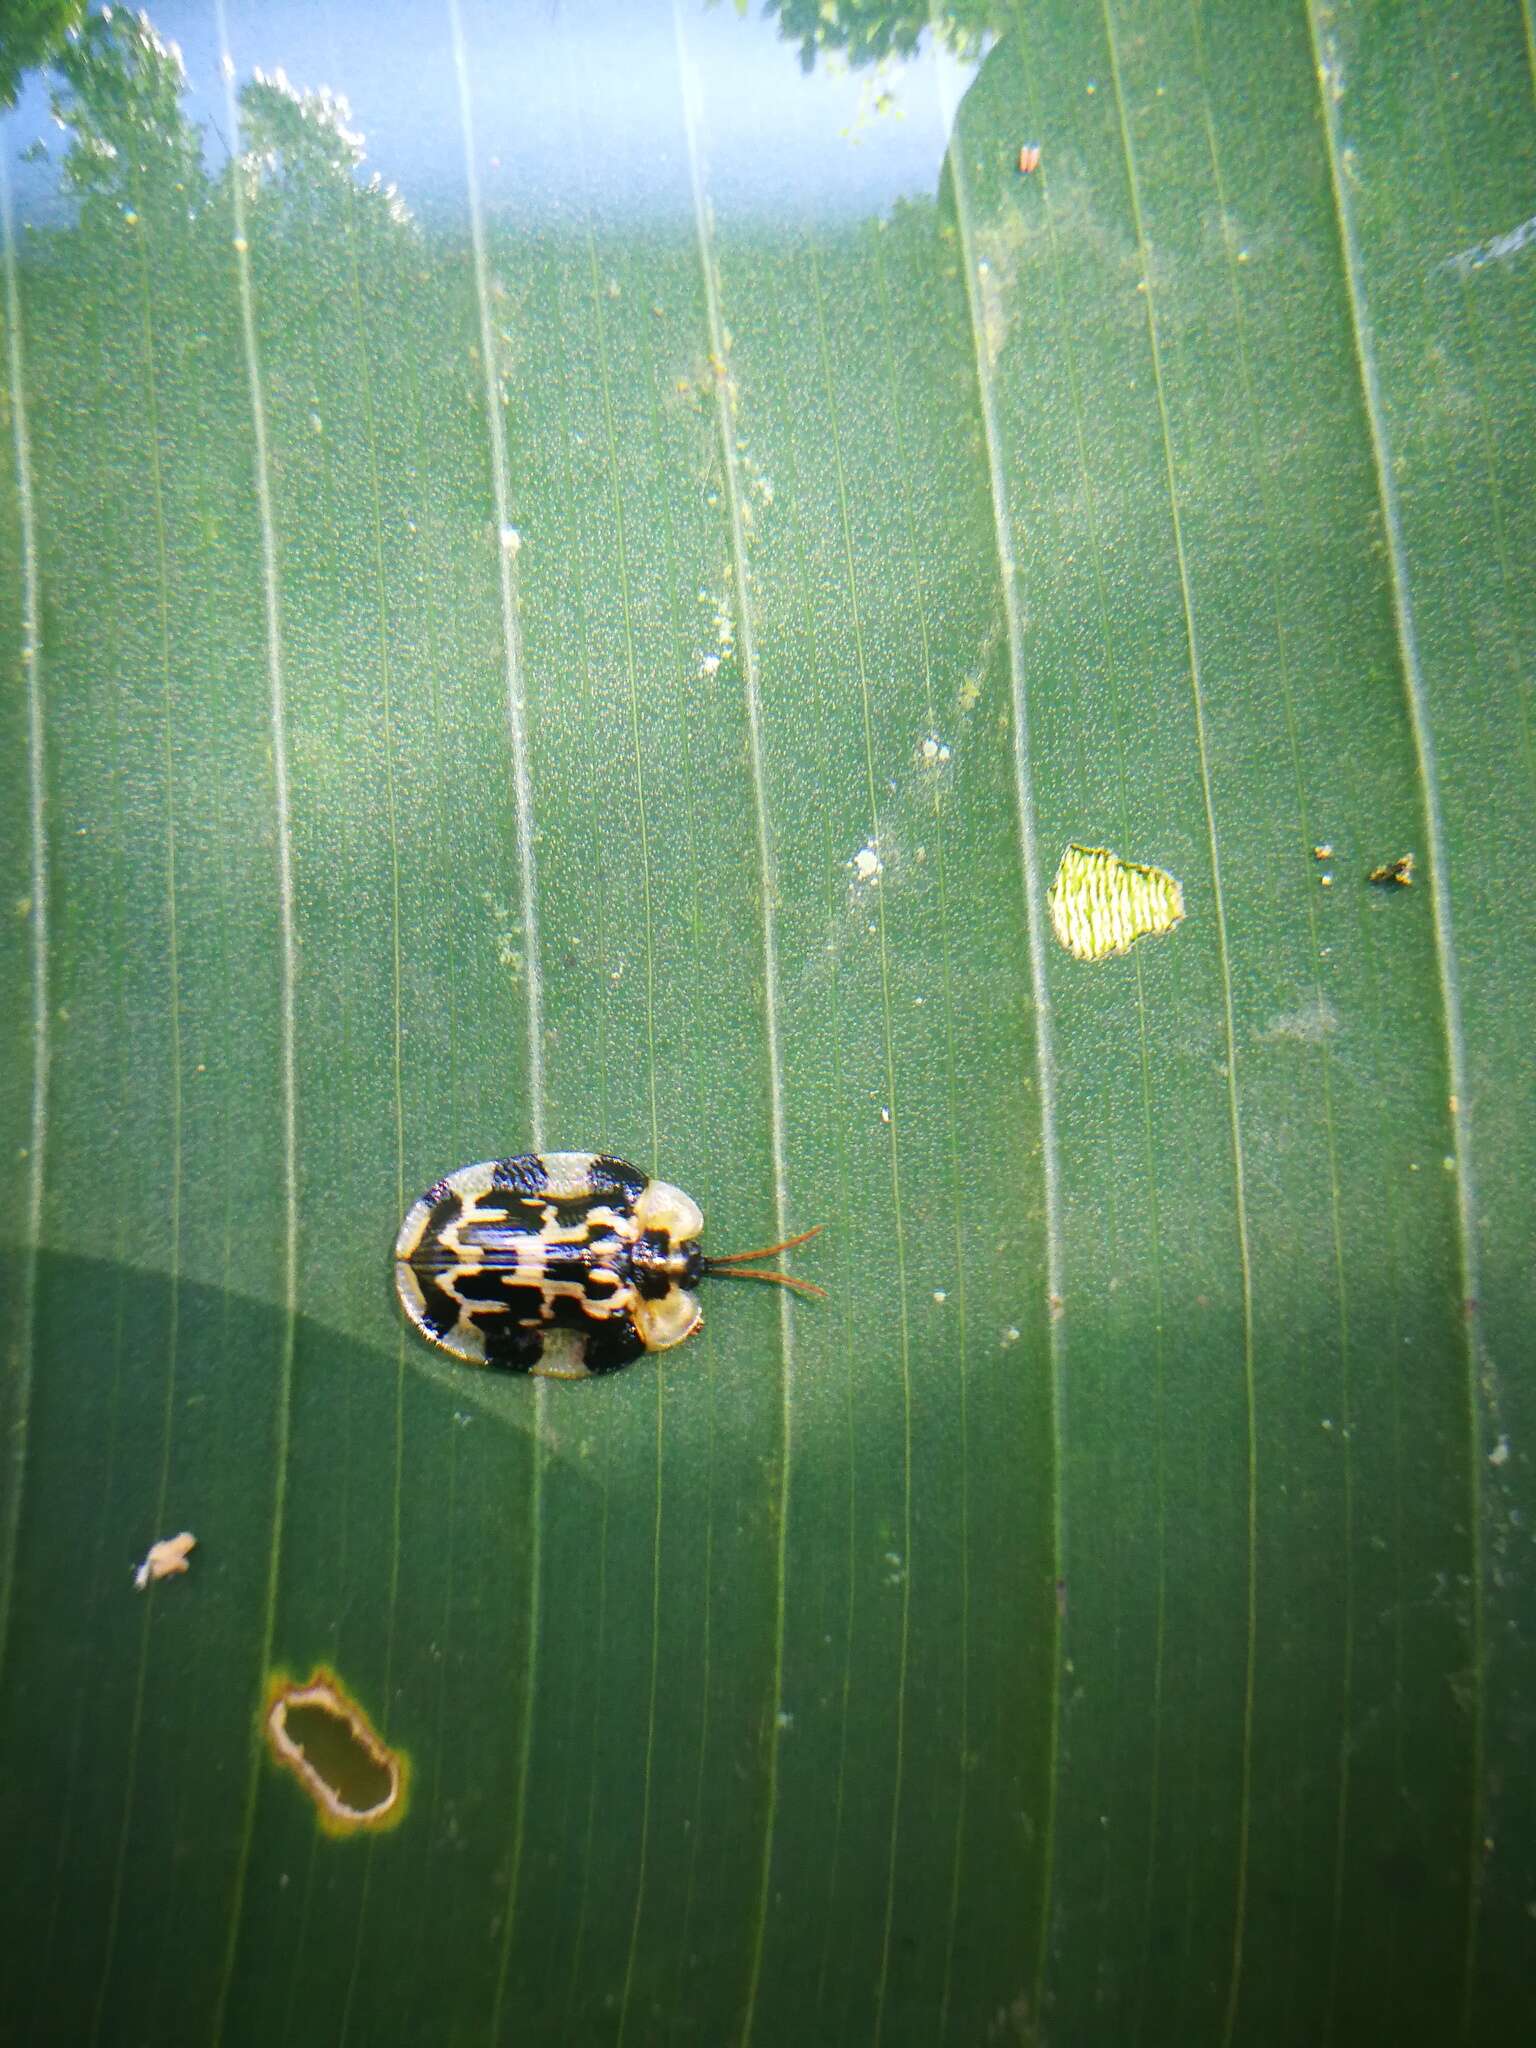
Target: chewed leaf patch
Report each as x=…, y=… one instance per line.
x=1100, y=904
x=320, y=1733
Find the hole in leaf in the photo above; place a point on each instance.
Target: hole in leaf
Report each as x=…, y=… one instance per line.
x=320, y=1733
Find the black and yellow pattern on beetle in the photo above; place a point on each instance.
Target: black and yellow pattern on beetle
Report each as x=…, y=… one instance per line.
x=564, y=1264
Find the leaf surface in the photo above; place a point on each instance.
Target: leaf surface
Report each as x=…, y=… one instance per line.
x=604, y=647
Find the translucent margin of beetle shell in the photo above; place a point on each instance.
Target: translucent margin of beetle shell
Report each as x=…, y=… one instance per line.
x=667, y=1322
x=664, y=1207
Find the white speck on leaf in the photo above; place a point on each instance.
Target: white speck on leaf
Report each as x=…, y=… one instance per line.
x=165, y=1559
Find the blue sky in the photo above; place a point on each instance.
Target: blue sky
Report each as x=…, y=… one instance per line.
x=567, y=95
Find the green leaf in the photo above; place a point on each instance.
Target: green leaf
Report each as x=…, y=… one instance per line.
x=605, y=646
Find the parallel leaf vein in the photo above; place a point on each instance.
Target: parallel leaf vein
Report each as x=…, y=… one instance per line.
x=287, y=971
x=1416, y=697
x=522, y=791
x=1186, y=593
x=20, y=1402
x=751, y=683
x=1272, y=528
x=1034, y=896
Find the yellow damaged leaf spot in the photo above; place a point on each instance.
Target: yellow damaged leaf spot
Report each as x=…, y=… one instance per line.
x=320, y=1733
x=1100, y=904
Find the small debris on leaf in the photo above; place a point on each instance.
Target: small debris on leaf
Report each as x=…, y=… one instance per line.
x=165, y=1559
x=1399, y=870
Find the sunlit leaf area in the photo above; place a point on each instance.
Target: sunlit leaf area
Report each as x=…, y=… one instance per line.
x=919, y=620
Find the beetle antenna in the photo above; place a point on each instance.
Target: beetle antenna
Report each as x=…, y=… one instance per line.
x=732, y=1265
x=778, y=1279
x=763, y=1251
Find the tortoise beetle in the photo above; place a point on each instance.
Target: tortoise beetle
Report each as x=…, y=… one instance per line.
x=564, y=1264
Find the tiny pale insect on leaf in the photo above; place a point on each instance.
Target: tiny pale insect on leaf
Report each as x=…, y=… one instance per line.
x=165, y=1559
